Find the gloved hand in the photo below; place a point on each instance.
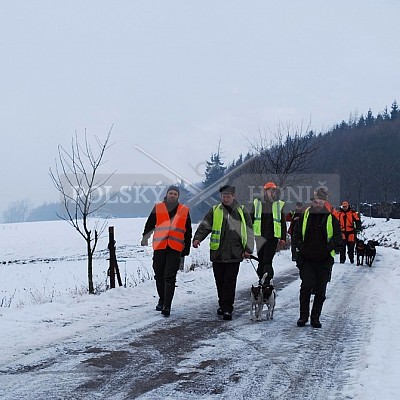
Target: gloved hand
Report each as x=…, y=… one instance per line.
x=185, y=252
x=144, y=242
x=299, y=260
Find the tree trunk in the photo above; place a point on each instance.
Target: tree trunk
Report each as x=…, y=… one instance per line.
x=90, y=268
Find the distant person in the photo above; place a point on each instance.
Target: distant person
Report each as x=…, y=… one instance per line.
x=231, y=240
x=170, y=222
x=269, y=226
x=293, y=217
x=350, y=225
x=317, y=236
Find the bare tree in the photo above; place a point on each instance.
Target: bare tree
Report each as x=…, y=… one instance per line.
x=17, y=211
x=76, y=177
x=289, y=151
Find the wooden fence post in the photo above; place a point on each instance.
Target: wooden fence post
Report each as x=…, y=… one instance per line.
x=113, y=268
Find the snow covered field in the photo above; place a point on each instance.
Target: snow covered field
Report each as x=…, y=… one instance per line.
x=44, y=304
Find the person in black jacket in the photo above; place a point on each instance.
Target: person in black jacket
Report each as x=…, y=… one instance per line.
x=231, y=240
x=172, y=227
x=293, y=217
x=317, y=236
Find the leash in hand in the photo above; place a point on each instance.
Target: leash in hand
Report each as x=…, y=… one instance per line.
x=253, y=258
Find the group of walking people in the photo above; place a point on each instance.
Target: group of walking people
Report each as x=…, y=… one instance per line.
x=316, y=236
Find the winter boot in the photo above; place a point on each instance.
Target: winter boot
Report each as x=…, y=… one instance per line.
x=303, y=317
x=159, y=305
x=166, y=312
x=315, y=322
x=342, y=256
x=304, y=307
x=168, y=296
x=302, y=321
x=227, y=316
x=316, y=311
x=160, y=291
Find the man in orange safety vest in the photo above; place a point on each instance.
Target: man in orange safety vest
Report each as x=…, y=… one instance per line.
x=170, y=224
x=350, y=225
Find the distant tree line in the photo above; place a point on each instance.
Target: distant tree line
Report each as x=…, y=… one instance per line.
x=365, y=153
x=362, y=151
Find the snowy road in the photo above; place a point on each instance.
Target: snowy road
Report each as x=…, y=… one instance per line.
x=194, y=355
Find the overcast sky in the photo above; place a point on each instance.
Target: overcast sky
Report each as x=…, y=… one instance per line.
x=174, y=77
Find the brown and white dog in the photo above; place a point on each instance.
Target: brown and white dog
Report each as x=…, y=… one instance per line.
x=260, y=295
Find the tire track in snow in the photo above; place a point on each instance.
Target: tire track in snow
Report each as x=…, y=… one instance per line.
x=187, y=357
x=308, y=363
x=285, y=361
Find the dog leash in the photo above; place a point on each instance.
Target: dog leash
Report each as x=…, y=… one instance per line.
x=260, y=281
x=256, y=259
x=251, y=262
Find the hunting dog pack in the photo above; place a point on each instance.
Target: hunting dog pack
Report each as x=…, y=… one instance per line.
x=366, y=250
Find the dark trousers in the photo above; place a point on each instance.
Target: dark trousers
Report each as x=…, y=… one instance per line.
x=225, y=275
x=314, y=278
x=265, y=255
x=350, y=251
x=166, y=265
x=293, y=248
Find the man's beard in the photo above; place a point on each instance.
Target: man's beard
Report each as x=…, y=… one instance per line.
x=172, y=202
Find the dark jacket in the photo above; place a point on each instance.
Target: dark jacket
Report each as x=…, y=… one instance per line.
x=172, y=209
x=267, y=221
x=291, y=217
x=230, y=248
x=315, y=246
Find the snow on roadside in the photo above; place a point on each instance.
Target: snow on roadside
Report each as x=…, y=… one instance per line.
x=385, y=232
x=28, y=328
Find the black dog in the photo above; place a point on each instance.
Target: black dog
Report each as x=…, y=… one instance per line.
x=360, y=251
x=370, y=252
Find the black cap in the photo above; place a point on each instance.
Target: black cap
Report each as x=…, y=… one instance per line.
x=227, y=189
x=321, y=194
x=174, y=187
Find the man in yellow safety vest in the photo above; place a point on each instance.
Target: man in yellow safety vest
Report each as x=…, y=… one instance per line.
x=269, y=226
x=231, y=240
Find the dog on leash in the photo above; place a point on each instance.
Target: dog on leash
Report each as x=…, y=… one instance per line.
x=370, y=252
x=256, y=300
x=260, y=295
x=269, y=296
x=360, y=251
